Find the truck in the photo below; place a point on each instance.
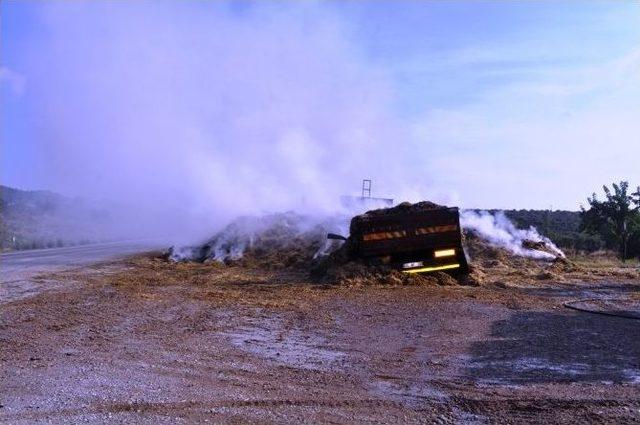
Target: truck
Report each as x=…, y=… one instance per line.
x=414, y=238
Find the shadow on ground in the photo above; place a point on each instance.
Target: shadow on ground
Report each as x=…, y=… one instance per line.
x=544, y=347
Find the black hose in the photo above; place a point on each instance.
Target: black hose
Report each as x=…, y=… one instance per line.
x=570, y=305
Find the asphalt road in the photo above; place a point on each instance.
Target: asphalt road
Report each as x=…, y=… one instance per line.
x=18, y=268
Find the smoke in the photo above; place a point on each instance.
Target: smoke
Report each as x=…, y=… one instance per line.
x=13, y=80
x=182, y=116
x=499, y=231
x=294, y=233
x=280, y=232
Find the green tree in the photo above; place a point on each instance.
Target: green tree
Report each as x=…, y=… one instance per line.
x=616, y=219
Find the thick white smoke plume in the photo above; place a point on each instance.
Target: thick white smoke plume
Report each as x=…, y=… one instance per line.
x=187, y=115
x=184, y=116
x=499, y=231
x=280, y=231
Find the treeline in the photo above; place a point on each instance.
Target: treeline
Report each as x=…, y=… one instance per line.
x=611, y=223
x=615, y=218
x=42, y=219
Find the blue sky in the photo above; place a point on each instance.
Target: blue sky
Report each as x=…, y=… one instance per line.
x=447, y=53
x=499, y=104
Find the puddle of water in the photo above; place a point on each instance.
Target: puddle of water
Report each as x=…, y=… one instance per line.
x=602, y=291
x=410, y=393
x=293, y=347
x=633, y=375
x=533, y=364
x=469, y=418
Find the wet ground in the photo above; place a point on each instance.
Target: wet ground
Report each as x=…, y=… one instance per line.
x=139, y=342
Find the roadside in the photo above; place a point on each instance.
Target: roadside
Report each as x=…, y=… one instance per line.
x=23, y=273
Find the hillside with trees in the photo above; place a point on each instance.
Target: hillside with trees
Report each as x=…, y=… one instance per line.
x=43, y=219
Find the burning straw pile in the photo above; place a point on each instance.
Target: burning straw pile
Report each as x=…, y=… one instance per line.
x=291, y=241
x=285, y=240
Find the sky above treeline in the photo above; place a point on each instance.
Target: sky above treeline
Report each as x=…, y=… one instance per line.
x=487, y=104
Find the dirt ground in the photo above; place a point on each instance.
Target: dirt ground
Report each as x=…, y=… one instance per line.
x=146, y=341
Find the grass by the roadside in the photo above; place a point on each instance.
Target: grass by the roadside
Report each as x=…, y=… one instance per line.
x=604, y=261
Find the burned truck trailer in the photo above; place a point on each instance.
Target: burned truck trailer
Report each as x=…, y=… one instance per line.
x=415, y=238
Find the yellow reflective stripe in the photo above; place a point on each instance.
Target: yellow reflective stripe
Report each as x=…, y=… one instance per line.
x=384, y=235
x=445, y=253
x=436, y=229
x=432, y=269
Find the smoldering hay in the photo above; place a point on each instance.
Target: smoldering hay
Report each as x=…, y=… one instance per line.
x=293, y=239
x=499, y=231
x=280, y=239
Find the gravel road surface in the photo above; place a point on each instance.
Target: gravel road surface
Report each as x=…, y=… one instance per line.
x=145, y=341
